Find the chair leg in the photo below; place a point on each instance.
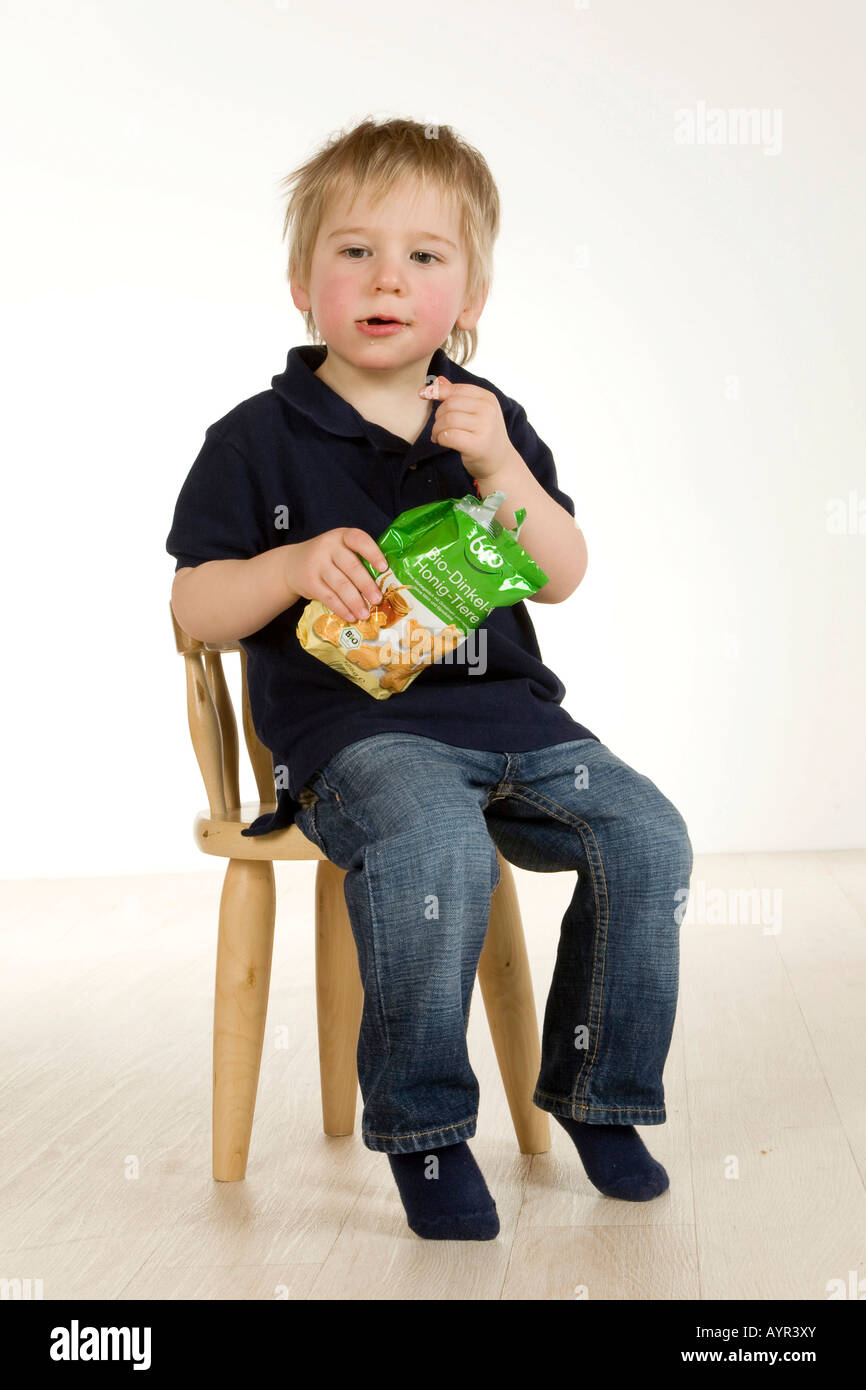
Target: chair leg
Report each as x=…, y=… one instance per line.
x=506, y=987
x=339, y=1001
x=243, y=977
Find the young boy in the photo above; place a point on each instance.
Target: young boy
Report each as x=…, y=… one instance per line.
x=412, y=795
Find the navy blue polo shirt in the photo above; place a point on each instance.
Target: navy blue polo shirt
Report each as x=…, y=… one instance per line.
x=300, y=454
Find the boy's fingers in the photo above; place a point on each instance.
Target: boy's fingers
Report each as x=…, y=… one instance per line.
x=438, y=390
x=360, y=590
x=442, y=388
x=432, y=391
x=363, y=544
x=345, y=586
x=367, y=587
x=335, y=603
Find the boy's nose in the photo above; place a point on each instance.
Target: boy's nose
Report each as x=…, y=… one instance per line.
x=387, y=274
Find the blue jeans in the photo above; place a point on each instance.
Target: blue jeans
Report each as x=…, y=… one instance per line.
x=415, y=824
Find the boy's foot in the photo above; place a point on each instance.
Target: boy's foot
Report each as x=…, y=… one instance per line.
x=616, y=1160
x=444, y=1194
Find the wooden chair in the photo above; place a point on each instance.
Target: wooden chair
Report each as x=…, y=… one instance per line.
x=246, y=936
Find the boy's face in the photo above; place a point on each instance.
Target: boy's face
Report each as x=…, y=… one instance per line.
x=398, y=267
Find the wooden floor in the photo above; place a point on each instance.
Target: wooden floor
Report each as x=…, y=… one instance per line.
x=106, y=995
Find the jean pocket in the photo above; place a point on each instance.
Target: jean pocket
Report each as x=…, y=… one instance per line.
x=331, y=822
x=307, y=818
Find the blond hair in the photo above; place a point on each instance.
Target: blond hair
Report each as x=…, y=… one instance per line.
x=372, y=158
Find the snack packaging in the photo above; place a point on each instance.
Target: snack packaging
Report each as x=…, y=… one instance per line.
x=449, y=563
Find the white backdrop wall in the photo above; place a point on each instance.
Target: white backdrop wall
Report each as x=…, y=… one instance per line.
x=682, y=319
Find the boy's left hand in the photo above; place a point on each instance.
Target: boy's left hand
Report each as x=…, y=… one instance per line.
x=469, y=419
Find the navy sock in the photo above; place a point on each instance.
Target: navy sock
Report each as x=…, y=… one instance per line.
x=616, y=1160
x=447, y=1199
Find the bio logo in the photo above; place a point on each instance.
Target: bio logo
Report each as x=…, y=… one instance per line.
x=484, y=553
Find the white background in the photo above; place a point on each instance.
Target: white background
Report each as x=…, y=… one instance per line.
x=717, y=641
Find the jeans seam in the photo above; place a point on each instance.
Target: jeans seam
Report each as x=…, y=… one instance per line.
x=314, y=826
x=419, y=1133
x=374, y=953
x=596, y=994
x=498, y=872
x=568, y=1100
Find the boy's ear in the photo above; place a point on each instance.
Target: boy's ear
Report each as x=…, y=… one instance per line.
x=471, y=313
x=300, y=298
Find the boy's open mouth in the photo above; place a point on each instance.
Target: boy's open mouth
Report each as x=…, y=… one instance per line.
x=380, y=326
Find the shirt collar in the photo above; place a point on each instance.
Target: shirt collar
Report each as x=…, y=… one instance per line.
x=306, y=392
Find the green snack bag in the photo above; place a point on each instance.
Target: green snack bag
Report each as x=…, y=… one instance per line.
x=449, y=564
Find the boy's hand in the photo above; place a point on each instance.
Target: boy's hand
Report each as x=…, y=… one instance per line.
x=469, y=420
x=327, y=568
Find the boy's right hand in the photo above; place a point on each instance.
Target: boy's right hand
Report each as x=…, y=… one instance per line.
x=327, y=568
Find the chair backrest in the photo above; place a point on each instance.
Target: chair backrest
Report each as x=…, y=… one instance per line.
x=213, y=727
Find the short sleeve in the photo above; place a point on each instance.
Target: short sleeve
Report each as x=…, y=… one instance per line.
x=536, y=455
x=219, y=513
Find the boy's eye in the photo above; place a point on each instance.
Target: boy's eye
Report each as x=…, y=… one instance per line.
x=347, y=249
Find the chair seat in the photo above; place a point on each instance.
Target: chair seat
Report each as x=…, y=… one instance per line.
x=220, y=835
